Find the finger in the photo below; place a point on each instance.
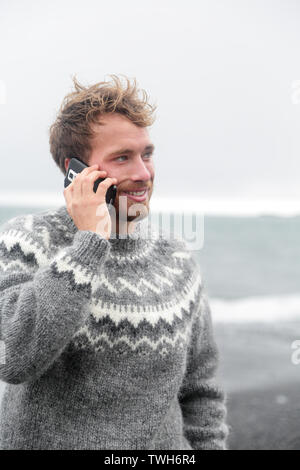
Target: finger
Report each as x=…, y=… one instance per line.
x=90, y=169
x=86, y=171
x=77, y=187
x=104, y=185
x=89, y=179
x=78, y=190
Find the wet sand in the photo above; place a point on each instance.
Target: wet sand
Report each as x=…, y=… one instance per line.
x=262, y=384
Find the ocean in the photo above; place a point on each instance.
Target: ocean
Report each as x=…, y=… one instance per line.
x=250, y=265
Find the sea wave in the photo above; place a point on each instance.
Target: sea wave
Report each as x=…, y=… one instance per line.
x=256, y=309
x=222, y=206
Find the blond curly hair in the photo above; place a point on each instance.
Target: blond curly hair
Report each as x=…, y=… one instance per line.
x=71, y=133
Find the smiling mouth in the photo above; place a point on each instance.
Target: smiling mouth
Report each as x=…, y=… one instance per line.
x=135, y=195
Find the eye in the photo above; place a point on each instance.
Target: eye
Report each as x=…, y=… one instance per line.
x=149, y=155
x=122, y=156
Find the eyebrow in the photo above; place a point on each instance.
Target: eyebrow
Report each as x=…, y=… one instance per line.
x=117, y=152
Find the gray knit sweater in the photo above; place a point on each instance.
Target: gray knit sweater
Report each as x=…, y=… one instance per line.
x=108, y=344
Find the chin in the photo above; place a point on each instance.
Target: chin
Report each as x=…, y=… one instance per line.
x=140, y=214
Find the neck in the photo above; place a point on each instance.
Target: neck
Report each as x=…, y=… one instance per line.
x=135, y=239
x=124, y=227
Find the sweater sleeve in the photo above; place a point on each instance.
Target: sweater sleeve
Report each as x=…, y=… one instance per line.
x=201, y=398
x=43, y=299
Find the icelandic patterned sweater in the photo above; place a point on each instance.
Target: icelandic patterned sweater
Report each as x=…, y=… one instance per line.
x=107, y=344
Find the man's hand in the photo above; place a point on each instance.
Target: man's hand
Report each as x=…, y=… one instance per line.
x=82, y=202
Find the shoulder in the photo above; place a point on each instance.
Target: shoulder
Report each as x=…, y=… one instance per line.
x=28, y=234
x=175, y=252
x=27, y=222
x=177, y=248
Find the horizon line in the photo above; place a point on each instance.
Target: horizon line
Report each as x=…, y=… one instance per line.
x=222, y=207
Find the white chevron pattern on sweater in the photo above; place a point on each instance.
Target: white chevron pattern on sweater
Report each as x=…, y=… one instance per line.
x=163, y=280
x=15, y=263
x=28, y=222
x=45, y=236
x=104, y=282
x=173, y=270
x=65, y=263
x=151, y=313
x=13, y=237
x=129, y=286
x=180, y=337
x=151, y=286
x=55, y=220
x=100, y=280
x=139, y=291
x=182, y=254
x=139, y=288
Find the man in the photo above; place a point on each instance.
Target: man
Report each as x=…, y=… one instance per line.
x=108, y=339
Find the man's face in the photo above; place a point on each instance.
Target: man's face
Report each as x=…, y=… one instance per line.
x=125, y=151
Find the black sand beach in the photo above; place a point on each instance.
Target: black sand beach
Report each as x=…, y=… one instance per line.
x=262, y=383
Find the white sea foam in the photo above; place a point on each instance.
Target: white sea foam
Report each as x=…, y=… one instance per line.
x=31, y=199
x=256, y=309
x=226, y=207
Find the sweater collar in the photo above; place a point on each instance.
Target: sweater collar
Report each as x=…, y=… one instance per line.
x=133, y=241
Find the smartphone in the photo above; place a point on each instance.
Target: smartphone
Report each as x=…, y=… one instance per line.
x=76, y=166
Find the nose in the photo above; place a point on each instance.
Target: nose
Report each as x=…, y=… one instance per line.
x=140, y=172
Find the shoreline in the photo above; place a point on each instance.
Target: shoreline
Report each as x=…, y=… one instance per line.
x=225, y=207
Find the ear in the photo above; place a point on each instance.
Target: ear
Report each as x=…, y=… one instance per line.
x=66, y=162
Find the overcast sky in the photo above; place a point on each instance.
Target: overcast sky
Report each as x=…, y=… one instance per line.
x=225, y=76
